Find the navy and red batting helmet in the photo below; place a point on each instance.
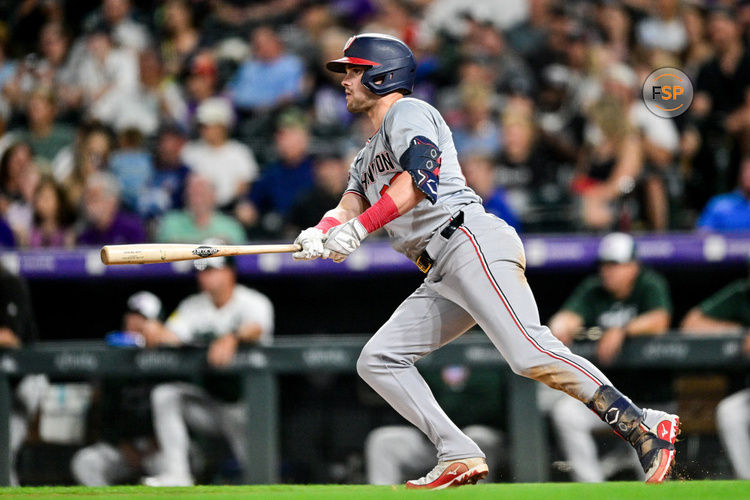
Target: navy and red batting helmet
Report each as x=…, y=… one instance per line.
x=388, y=59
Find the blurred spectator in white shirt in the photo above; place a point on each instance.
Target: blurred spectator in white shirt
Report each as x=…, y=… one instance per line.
x=153, y=99
x=106, y=75
x=119, y=16
x=664, y=30
x=229, y=164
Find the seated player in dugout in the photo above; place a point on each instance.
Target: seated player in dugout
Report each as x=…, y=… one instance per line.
x=407, y=179
x=728, y=312
x=222, y=316
x=125, y=449
x=624, y=299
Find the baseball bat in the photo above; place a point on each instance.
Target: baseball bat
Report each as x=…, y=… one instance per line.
x=154, y=253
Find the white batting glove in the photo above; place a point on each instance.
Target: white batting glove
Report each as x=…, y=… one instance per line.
x=344, y=239
x=311, y=240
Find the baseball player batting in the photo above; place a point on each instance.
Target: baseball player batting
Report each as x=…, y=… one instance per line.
x=407, y=179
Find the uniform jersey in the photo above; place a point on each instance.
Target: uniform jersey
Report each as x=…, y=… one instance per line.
x=731, y=303
x=377, y=163
x=198, y=320
x=598, y=307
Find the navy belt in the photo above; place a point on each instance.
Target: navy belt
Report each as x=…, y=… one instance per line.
x=424, y=261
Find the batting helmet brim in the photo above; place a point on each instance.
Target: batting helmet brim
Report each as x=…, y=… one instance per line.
x=339, y=65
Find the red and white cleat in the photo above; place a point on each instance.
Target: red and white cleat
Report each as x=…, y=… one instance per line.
x=452, y=473
x=657, y=457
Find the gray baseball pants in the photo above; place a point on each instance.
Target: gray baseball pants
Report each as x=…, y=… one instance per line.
x=478, y=278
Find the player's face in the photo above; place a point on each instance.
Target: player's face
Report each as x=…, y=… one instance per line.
x=618, y=278
x=358, y=98
x=216, y=280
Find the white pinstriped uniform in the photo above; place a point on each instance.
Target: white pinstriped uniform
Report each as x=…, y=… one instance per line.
x=477, y=278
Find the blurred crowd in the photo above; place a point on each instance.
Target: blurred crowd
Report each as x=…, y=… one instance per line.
x=125, y=121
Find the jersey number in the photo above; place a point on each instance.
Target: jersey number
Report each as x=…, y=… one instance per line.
x=385, y=188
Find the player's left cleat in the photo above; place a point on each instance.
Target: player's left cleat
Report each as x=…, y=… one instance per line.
x=655, y=446
x=651, y=432
x=452, y=473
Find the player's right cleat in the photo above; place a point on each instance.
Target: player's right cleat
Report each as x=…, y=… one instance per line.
x=656, y=447
x=452, y=473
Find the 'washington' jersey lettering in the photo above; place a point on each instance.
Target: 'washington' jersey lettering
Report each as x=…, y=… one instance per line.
x=377, y=163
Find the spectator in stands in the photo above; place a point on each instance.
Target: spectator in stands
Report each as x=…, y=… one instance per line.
x=19, y=177
x=46, y=137
x=106, y=75
x=529, y=37
x=133, y=167
x=730, y=211
x=664, y=28
x=470, y=395
x=165, y=192
x=329, y=106
x=53, y=216
x=480, y=176
x=271, y=78
x=125, y=449
x=154, y=99
x=90, y=155
x=528, y=171
x=728, y=312
x=485, y=43
x=181, y=38
x=104, y=222
x=200, y=82
x=610, y=164
x=17, y=328
x=200, y=218
x=54, y=70
x=720, y=108
x=331, y=173
x=660, y=141
x=228, y=163
x=624, y=300
x=119, y=17
x=15, y=161
x=698, y=50
x=222, y=316
x=395, y=18
x=617, y=29
x=284, y=180
x=478, y=133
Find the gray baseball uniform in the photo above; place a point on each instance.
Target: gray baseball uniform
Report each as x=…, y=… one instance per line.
x=477, y=278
